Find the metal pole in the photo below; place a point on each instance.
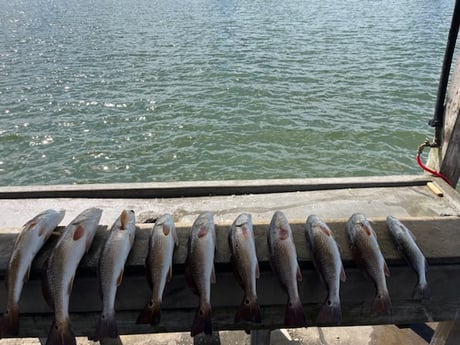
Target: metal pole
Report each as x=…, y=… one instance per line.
x=438, y=118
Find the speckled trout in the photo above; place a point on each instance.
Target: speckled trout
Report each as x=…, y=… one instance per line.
x=327, y=260
x=366, y=252
x=163, y=240
x=111, y=267
x=60, y=269
x=405, y=243
x=283, y=259
x=199, y=269
x=32, y=237
x=245, y=266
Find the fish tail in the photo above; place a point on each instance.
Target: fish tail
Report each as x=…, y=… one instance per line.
x=9, y=322
x=330, y=313
x=61, y=334
x=202, y=322
x=151, y=314
x=381, y=304
x=421, y=291
x=106, y=327
x=294, y=315
x=249, y=311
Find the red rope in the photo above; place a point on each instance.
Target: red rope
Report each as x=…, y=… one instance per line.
x=433, y=172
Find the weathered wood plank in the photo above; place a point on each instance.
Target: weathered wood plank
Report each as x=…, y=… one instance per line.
x=438, y=238
x=204, y=188
x=447, y=333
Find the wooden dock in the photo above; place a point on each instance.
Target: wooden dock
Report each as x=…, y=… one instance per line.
x=434, y=219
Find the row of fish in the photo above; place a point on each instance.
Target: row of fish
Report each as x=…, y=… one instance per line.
x=77, y=238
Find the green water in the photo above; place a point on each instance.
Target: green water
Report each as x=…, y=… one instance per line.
x=165, y=90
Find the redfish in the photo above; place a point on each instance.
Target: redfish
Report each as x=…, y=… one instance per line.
x=60, y=269
x=366, y=251
x=111, y=267
x=32, y=237
x=405, y=243
x=327, y=260
x=163, y=240
x=245, y=266
x=283, y=259
x=199, y=269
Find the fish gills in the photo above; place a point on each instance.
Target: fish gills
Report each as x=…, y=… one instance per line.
x=199, y=269
x=163, y=240
x=245, y=267
x=30, y=240
x=327, y=260
x=406, y=245
x=283, y=260
x=367, y=254
x=60, y=270
x=111, y=267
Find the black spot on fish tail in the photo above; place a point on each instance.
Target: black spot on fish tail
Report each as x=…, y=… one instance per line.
x=294, y=316
x=151, y=314
x=61, y=334
x=9, y=322
x=249, y=310
x=106, y=327
x=202, y=322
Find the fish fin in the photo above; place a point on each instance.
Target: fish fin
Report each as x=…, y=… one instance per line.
x=31, y=223
x=176, y=238
x=330, y=313
x=123, y=220
x=298, y=274
x=106, y=327
x=9, y=322
x=249, y=310
x=381, y=304
x=151, y=314
x=189, y=278
x=169, y=276
x=131, y=239
x=61, y=334
x=69, y=287
x=386, y=269
x=202, y=322
x=235, y=271
x=294, y=315
x=257, y=271
x=343, y=276
x=27, y=274
x=213, y=275
x=120, y=277
x=148, y=268
x=42, y=230
x=421, y=291
x=46, y=289
x=78, y=233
